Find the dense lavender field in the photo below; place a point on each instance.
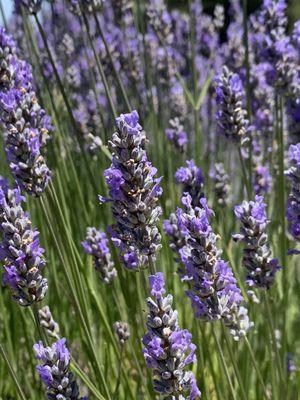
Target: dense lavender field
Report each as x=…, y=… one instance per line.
x=149, y=201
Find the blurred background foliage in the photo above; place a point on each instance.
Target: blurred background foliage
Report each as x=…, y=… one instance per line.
x=208, y=5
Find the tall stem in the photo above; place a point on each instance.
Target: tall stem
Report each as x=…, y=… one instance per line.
x=256, y=367
x=12, y=373
x=223, y=361
x=67, y=103
x=248, y=91
x=117, y=75
x=98, y=63
x=244, y=171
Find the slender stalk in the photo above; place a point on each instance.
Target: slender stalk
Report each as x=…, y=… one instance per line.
x=223, y=361
x=3, y=16
x=84, y=322
x=152, y=268
x=244, y=171
x=272, y=334
x=67, y=103
x=98, y=63
x=235, y=366
x=248, y=89
x=12, y=373
x=256, y=367
x=117, y=75
x=42, y=335
x=115, y=396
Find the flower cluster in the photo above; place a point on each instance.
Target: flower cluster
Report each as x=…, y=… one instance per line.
x=176, y=135
x=212, y=286
x=25, y=124
x=231, y=115
x=192, y=180
x=262, y=180
x=221, y=183
x=168, y=350
x=293, y=203
x=20, y=249
x=134, y=192
x=54, y=371
x=96, y=244
x=122, y=331
x=257, y=258
x=47, y=322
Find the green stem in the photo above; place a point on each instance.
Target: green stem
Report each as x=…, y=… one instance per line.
x=12, y=372
x=117, y=75
x=98, y=62
x=67, y=103
x=236, y=369
x=152, y=268
x=3, y=16
x=245, y=177
x=83, y=320
x=115, y=396
x=248, y=89
x=256, y=367
x=223, y=362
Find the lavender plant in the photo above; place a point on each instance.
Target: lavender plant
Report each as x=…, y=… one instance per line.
x=54, y=371
x=134, y=192
x=25, y=124
x=257, y=258
x=167, y=348
x=96, y=244
x=21, y=252
x=87, y=62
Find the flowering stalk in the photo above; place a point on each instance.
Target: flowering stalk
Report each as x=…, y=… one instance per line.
x=20, y=249
x=293, y=203
x=26, y=125
x=212, y=286
x=167, y=348
x=96, y=244
x=54, y=371
x=134, y=193
x=192, y=180
x=257, y=254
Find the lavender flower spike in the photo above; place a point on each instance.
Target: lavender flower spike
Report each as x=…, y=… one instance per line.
x=293, y=203
x=212, y=286
x=231, y=115
x=25, y=124
x=47, y=322
x=134, y=192
x=122, y=331
x=191, y=177
x=96, y=244
x=20, y=250
x=257, y=254
x=54, y=371
x=221, y=184
x=167, y=348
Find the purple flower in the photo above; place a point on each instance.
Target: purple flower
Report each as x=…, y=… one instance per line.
x=54, y=371
x=262, y=180
x=293, y=203
x=192, y=180
x=134, y=192
x=176, y=135
x=25, y=124
x=221, y=183
x=212, y=286
x=231, y=115
x=168, y=349
x=20, y=250
x=257, y=258
x=96, y=244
